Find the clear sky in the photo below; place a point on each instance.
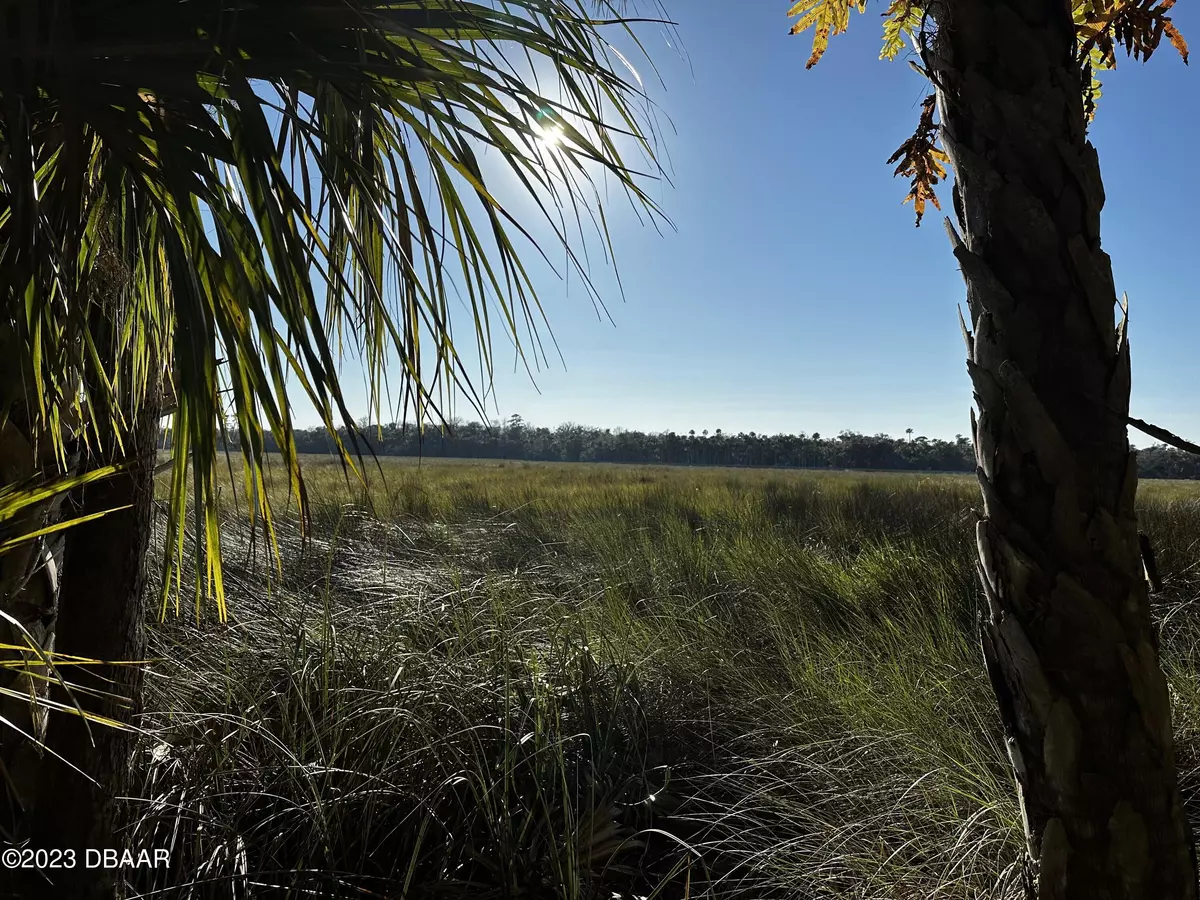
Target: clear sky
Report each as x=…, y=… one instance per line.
x=795, y=293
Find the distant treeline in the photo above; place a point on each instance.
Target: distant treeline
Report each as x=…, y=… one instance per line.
x=517, y=440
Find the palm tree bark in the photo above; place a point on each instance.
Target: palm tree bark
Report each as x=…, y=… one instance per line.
x=102, y=611
x=1068, y=639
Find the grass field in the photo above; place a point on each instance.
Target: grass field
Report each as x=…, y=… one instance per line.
x=517, y=680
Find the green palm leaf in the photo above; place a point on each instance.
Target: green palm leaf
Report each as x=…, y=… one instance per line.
x=283, y=183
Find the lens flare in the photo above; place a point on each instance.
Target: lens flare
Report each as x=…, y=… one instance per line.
x=551, y=134
x=550, y=131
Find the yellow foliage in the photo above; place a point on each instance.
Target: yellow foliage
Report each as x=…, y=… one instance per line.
x=831, y=17
x=902, y=21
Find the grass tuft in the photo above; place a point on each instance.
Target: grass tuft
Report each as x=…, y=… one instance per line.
x=606, y=682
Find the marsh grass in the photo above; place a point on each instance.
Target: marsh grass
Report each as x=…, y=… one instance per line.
x=529, y=680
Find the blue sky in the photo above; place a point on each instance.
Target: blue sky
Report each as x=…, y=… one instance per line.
x=795, y=293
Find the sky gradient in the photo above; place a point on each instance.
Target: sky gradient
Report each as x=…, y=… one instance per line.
x=794, y=293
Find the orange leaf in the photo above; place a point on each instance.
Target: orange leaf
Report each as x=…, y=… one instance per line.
x=922, y=160
x=1176, y=40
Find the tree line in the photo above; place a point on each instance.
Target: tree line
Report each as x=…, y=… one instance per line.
x=516, y=439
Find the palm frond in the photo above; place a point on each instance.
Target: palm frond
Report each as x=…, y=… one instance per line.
x=288, y=182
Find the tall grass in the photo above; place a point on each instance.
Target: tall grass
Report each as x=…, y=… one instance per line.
x=604, y=682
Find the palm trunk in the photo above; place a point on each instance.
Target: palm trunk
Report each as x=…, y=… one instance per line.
x=101, y=616
x=1068, y=641
x=102, y=613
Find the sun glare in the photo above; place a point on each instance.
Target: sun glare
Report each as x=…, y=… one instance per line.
x=550, y=132
x=551, y=135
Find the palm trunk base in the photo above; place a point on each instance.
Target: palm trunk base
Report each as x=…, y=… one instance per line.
x=102, y=611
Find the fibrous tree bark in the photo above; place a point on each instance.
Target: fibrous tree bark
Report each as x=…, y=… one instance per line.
x=1068, y=636
x=102, y=613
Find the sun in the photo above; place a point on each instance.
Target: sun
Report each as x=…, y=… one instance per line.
x=551, y=134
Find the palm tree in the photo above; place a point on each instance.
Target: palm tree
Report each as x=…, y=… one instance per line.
x=1069, y=640
x=211, y=199
x=1067, y=637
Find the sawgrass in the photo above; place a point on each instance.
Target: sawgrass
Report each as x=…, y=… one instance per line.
x=523, y=680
